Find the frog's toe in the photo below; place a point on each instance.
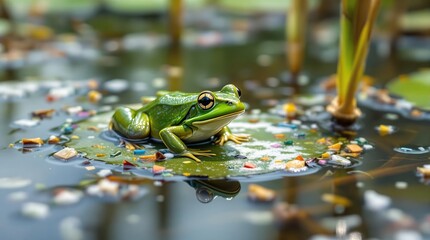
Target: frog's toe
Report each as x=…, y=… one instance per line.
x=190, y=155
x=221, y=140
x=196, y=151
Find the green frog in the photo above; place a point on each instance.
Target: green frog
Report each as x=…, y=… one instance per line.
x=178, y=118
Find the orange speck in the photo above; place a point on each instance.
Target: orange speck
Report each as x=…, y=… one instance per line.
x=156, y=169
x=299, y=157
x=279, y=135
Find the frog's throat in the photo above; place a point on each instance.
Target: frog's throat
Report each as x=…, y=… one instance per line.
x=217, y=122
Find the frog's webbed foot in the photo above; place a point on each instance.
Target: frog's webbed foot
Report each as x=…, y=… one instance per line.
x=228, y=136
x=192, y=153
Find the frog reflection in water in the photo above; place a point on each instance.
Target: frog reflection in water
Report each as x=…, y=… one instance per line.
x=178, y=118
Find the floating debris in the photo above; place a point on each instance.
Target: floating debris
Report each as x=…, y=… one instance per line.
x=335, y=147
x=240, y=157
x=158, y=156
x=249, y=165
x=44, y=113
x=115, y=154
x=26, y=122
x=104, y=186
x=35, y=210
x=401, y=185
x=9, y=183
x=53, y=139
x=66, y=153
x=287, y=125
x=104, y=173
x=260, y=193
x=32, y=142
x=127, y=165
x=93, y=128
x=289, y=143
x=367, y=146
x=424, y=171
x=67, y=196
x=326, y=155
x=353, y=148
x=139, y=151
x=338, y=160
x=279, y=136
x=58, y=93
x=410, y=150
x=156, y=169
x=290, y=110
x=336, y=199
x=385, y=129
x=94, y=96
x=90, y=168
x=116, y=85
x=276, y=145
x=295, y=166
x=67, y=129
x=74, y=110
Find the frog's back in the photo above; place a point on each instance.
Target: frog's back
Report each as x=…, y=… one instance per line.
x=168, y=110
x=173, y=99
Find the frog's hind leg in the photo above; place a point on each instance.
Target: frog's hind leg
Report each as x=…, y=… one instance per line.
x=130, y=123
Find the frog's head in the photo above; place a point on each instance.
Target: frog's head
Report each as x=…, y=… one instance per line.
x=214, y=110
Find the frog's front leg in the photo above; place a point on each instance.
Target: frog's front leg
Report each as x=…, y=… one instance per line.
x=225, y=135
x=171, y=137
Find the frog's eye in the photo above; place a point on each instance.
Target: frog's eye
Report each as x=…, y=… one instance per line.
x=206, y=100
x=239, y=93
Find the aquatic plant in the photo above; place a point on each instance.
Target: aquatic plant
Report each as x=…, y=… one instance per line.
x=357, y=18
x=295, y=31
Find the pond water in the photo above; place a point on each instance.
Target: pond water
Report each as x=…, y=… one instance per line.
x=387, y=198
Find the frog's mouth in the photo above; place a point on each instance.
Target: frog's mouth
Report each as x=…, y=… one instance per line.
x=217, y=122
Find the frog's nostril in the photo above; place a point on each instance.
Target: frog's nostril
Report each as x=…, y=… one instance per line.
x=229, y=103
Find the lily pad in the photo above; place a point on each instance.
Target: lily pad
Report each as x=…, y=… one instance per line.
x=272, y=146
x=414, y=88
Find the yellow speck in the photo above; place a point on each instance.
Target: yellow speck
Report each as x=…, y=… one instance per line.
x=186, y=174
x=335, y=147
x=11, y=145
x=384, y=130
x=290, y=109
x=186, y=162
x=100, y=155
x=325, y=155
x=74, y=137
x=265, y=158
x=321, y=141
x=278, y=161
